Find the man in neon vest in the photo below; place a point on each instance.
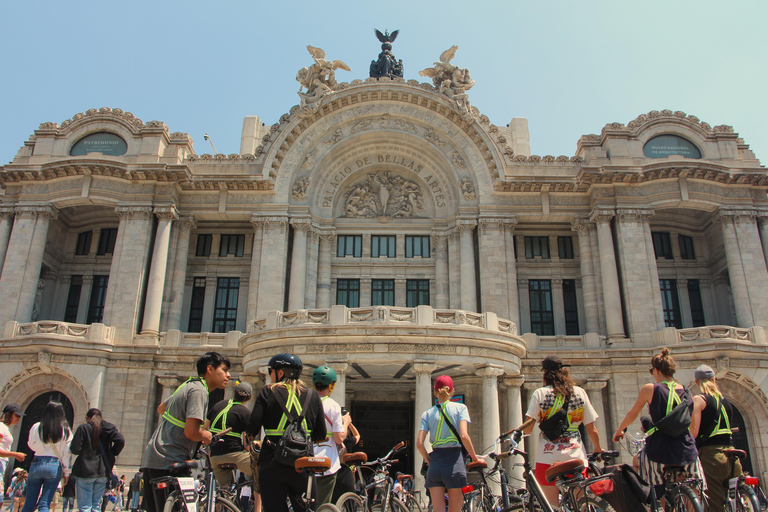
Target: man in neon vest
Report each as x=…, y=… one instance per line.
x=324, y=379
x=230, y=414
x=179, y=431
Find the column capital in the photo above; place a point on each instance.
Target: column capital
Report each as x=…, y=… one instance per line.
x=339, y=367
x=595, y=385
x=489, y=371
x=300, y=224
x=128, y=212
x=762, y=216
x=439, y=237
x=168, y=380
x=497, y=222
x=169, y=213
x=6, y=211
x=640, y=214
x=463, y=225
x=424, y=367
x=188, y=222
x=601, y=215
x=557, y=281
x=34, y=211
x=580, y=223
x=512, y=381
x=735, y=214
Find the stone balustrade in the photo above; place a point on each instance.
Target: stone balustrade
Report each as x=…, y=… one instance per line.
x=562, y=341
x=711, y=333
x=95, y=333
x=176, y=338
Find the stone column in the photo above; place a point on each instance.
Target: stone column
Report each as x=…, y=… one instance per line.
x=324, y=269
x=340, y=391
x=6, y=222
x=298, y=265
x=610, y=276
x=169, y=384
x=525, y=306
x=589, y=292
x=401, y=296
x=253, y=279
x=491, y=421
x=468, y=277
x=594, y=389
x=762, y=220
x=454, y=269
x=272, y=273
x=685, y=303
x=736, y=274
x=493, y=265
x=209, y=300
x=310, y=291
x=558, y=305
x=154, y=300
x=509, y=253
x=442, y=289
x=514, y=419
x=85, y=298
x=179, y=275
x=422, y=402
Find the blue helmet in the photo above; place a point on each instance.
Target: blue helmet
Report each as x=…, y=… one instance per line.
x=289, y=363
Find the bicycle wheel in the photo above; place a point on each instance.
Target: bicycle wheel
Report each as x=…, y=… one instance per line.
x=596, y=504
x=174, y=503
x=351, y=502
x=395, y=505
x=412, y=504
x=221, y=505
x=327, y=507
x=687, y=500
x=748, y=501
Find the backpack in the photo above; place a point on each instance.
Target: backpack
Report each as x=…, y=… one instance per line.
x=295, y=442
x=557, y=423
x=678, y=418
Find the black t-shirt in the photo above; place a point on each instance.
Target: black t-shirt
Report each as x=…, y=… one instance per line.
x=237, y=419
x=709, y=416
x=267, y=413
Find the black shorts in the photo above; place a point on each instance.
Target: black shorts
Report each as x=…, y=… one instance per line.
x=447, y=469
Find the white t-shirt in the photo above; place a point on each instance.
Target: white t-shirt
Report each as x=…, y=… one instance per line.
x=568, y=446
x=6, y=439
x=328, y=447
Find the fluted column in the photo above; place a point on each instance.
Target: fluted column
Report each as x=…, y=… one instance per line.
x=254, y=277
x=179, y=275
x=422, y=402
x=6, y=221
x=324, y=269
x=454, y=270
x=154, y=301
x=468, y=277
x=272, y=272
x=85, y=295
x=514, y=419
x=589, y=291
x=594, y=389
x=762, y=219
x=558, y=305
x=736, y=274
x=298, y=285
x=491, y=419
x=509, y=250
x=614, y=316
x=340, y=390
x=440, y=241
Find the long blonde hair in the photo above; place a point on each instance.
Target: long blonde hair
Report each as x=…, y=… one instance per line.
x=709, y=387
x=293, y=385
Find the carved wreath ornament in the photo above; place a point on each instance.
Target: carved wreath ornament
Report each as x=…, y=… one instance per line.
x=383, y=196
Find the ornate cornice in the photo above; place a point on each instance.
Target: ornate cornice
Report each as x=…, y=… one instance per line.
x=129, y=211
x=34, y=211
x=642, y=214
x=500, y=222
x=735, y=214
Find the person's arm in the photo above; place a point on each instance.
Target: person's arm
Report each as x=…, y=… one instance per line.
x=257, y=414
x=118, y=442
x=527, y=425
x=645, y=397
x=16, y=455
x=699, y=404
x=339, y=427
x=76, y=446
x=319, y=431
x=466, y=441
x=354, y=431
x=420, y=445
x=193, y=432
x=594, y=436
x=161, y=409
x=197, y=402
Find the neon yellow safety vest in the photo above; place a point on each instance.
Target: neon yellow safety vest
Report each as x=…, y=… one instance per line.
x=723, y=415
x=223, y=416
x=672, y=401
x=439, y=439
x=559, y=403
x=167, y=415
x=292, y=403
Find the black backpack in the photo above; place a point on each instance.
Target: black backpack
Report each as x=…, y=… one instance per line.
x=295, y=442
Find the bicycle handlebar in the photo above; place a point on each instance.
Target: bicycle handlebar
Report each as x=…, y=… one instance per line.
x=606, y=456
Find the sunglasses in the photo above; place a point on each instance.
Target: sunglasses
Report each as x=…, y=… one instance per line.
x=650, y=370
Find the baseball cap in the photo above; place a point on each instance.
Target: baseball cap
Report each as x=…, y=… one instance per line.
x=553, y=362
x=443, y=381
x=244, y=388
x=704, y=372
x=14, y=409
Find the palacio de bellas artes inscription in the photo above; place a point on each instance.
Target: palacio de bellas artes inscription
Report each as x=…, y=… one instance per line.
x=385, y=227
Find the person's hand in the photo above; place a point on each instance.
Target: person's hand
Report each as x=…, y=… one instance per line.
x=66, y=479
x=618, y=436
x=207, y=437
x=20, y=456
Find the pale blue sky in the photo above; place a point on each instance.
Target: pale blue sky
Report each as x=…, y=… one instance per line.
x=568, y=67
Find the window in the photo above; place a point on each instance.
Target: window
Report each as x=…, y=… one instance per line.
x=197, y=303
x=571, y=310
x=686, y=247
x=107, y=241
x=348, y=292
x=231, y=244
x=670, y=303
x=203, y=245
x=98, y=298
x=225, y=312
x=542, y=317
x=73, y=298
x=383, y=292
x=83, y=247
x=662, y=245
x=383, y=245
x=416, y=292
x=349, y=245
x=565, y=247
x=416, y=246
x=537, y=246
x=697, y=308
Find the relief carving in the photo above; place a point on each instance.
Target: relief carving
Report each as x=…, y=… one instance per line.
x=300, y=188
x=452, y=81
x=467, y=189
x=383, y=196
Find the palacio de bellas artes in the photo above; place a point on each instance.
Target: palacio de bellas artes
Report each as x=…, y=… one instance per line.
x=386, y=228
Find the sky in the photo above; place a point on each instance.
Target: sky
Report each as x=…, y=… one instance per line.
x=569, y=67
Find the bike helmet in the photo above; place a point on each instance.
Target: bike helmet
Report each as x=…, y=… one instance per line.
x=289, y=363
x=323, y=375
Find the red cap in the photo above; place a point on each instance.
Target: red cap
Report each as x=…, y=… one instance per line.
x=443, y=381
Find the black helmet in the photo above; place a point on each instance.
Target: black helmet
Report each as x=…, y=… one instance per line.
x=289, y=363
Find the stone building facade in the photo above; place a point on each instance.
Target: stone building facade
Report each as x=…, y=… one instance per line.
x=394, y=233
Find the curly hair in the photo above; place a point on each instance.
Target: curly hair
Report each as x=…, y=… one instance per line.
x=664, y=363
x=560, y=380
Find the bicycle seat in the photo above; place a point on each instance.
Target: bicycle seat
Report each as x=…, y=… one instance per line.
x=477, y=466
x=404, y=477
x=567, y=469
x=735, y=453
x=354, y=459
x=316, y=464
x=182, y=468
x=228, y=467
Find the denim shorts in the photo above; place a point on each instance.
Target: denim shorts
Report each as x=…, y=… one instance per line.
x=446, y=469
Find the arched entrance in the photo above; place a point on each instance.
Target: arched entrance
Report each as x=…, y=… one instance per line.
x=34, y=413
x=740, y=439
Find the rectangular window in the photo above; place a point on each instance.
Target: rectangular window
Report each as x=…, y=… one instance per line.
x=225, y=312
x=73, y=298
x=417, y=246
x=670, y=303
x=565, y=247
x=196, y=304
x=537, y=246
x=107, y=241
x=662, y=244
x=232, y=244
x=83, y=247
x=203, y=245
x=571, y=310
x=383, y=245
x=98, y=298
x=697, y=307
x=349, y=245
x=686, y=247
x=348, y=292
x=542, y=316
x=416, y=292
x=383, y=292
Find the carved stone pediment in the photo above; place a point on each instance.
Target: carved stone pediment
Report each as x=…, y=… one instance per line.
x=384, y=196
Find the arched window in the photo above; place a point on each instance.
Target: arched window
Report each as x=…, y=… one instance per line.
x=663, y=146
x=740, y=440
x=34, y=413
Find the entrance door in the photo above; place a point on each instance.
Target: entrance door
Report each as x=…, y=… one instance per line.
x=382, y=425
x=739, y=438
x=34, y=413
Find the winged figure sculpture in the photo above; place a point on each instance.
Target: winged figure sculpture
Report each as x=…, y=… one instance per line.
x=451, y=80
x=386, y=37
x=320, y=78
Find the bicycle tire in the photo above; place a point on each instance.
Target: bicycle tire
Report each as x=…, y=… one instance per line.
x=412, y=504
x=395, y=505
x=327, y=507
x=351, y=502
x=748, y=501
x=221, y=505
x=687, y=500
x=596, y=504
x=173, y=503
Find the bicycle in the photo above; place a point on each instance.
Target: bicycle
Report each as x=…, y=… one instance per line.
x=410, y=496
x=606, y=457
x=363, y=499
x=741, y=495
x=479, y=496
